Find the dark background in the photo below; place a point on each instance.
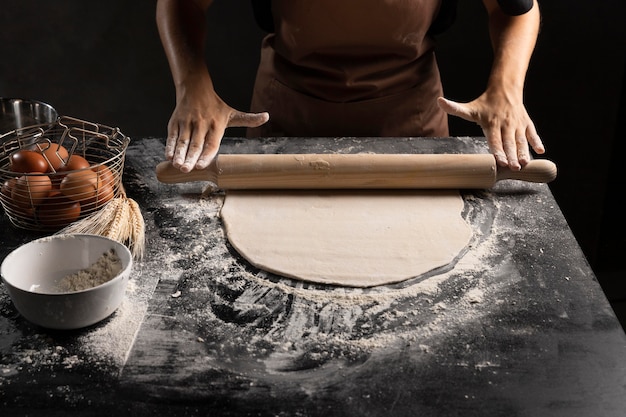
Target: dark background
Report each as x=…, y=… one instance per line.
x=102, y=61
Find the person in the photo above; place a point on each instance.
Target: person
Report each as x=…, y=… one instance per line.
x=349, y=68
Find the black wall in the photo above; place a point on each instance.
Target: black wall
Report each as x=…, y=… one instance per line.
x=102, y=61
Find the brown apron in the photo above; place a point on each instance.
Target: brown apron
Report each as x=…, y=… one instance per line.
x=350, y=68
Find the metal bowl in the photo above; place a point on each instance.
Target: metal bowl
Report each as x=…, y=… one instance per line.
x=16, y=113
x=32, y=274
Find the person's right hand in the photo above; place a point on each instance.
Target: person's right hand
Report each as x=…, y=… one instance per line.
x=197, y=125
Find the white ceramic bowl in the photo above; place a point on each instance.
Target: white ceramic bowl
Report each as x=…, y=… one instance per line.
x=31, y=274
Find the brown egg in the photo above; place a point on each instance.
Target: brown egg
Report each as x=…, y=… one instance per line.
x=27, y=161
x=74, y=163
x=31, y=190
x=23, y=213
x=106, y=188
x=105, y=175
x=55, y=154
x=58, y=211
x=7, y=198
x=104, y=194
x=80, y=185
x=7, y=188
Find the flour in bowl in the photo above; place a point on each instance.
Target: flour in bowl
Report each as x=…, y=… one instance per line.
x=107, y=267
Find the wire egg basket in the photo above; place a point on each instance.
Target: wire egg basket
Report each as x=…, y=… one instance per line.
x=57, y=173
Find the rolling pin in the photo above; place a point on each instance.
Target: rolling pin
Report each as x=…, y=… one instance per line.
x=359, y=171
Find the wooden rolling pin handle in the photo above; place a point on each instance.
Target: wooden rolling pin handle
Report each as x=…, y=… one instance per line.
x=537, y=170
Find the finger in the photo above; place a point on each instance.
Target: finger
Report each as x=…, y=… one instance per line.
x=196, y=145
x=170, y=144
x=209, y=151
x=494, y=140
x=534, y=139
x=523, y=152
x=180, y=147
x=455, y=109
x=241, y=119
x=509, y=144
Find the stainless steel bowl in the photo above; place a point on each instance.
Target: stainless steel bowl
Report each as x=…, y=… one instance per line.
x=16, y=113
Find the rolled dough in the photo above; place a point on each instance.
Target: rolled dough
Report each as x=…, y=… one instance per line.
x=351, y=238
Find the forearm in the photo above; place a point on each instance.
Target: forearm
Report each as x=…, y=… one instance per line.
x=182, y=28
x=513, y=40
x=198, y=122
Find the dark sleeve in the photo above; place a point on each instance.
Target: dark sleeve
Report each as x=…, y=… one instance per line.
x=515, y=7
x=262, y=10
x=445, y=18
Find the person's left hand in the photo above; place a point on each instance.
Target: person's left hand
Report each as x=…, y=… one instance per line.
x=505, y=123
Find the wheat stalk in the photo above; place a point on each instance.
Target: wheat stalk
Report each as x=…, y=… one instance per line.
x=138, y=241
x=120, y=219
x=118, y=226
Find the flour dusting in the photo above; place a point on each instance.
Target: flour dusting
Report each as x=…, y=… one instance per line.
x=106, y=267
x=235, y=310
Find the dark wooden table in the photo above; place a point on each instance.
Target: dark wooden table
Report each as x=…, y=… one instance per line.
x=518, y=327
